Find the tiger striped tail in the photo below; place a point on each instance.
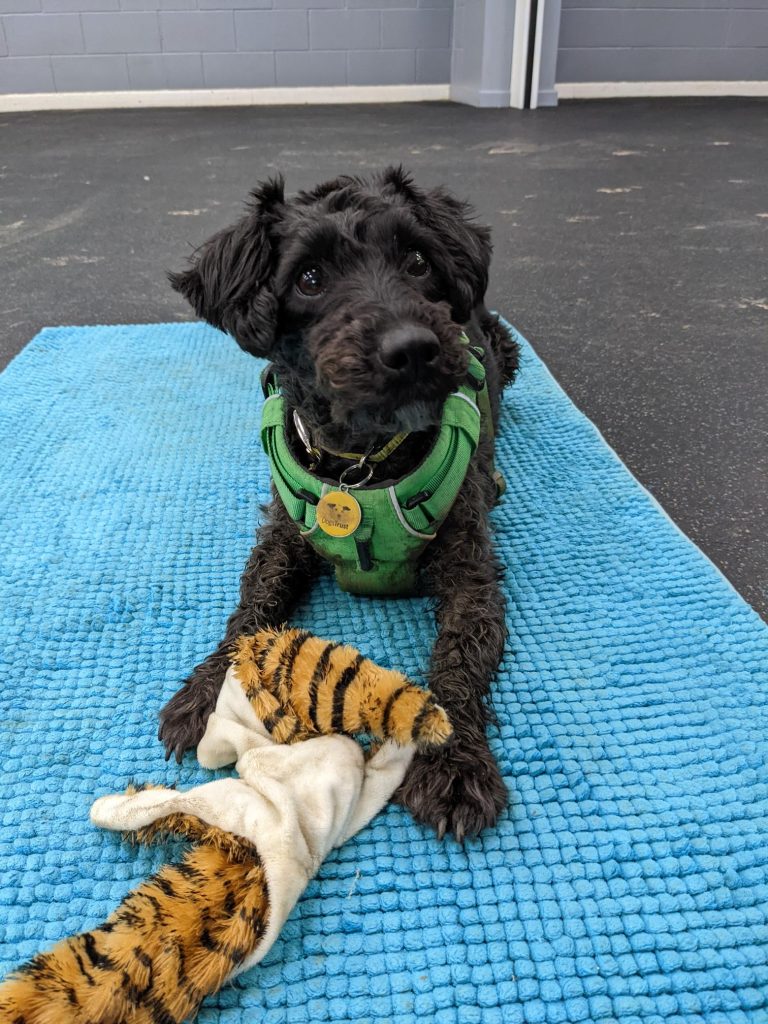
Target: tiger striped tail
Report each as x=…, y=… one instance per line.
x=174, y=940
x=300, y=685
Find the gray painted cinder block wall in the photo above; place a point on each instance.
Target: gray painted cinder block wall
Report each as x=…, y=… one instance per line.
x=86, y=45
x=663, y=40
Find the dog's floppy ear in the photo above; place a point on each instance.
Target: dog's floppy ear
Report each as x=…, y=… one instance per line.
x=227, y=282
x=466, y=244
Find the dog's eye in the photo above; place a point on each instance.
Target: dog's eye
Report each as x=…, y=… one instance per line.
x=310, y=282
x=415, y=264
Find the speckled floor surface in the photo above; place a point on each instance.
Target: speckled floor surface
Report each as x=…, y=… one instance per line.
x=630, y=249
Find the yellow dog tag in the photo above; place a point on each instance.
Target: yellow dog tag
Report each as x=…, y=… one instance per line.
x=338, y=514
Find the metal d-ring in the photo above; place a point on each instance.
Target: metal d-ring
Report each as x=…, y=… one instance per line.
x=344, y=486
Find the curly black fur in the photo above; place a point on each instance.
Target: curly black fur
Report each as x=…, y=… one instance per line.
x=330, y=351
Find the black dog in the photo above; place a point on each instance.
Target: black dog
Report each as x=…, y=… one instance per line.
x=359, y=293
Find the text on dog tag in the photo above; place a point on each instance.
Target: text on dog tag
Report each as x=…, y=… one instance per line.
x=338, y=514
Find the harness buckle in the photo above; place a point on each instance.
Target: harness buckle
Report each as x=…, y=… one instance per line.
x=417, y=499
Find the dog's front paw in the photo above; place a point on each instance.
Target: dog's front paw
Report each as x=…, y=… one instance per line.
x=458, y=790
x=183, y=720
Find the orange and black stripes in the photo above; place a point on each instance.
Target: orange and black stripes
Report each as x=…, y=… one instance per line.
x=283, y=674
x=343, y=683
x=173, y=941
x=318, y=677
x=392, y=699
x=300, y=685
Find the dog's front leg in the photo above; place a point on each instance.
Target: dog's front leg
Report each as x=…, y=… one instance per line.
x=278, y=570
x=460, y=789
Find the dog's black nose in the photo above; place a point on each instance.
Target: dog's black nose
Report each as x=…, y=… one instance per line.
x=408, y=348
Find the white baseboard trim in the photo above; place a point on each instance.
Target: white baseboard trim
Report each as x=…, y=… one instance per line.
x=627, y=90
x=10, y=102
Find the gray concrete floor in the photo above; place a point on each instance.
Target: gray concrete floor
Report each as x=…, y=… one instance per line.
x=630, y=249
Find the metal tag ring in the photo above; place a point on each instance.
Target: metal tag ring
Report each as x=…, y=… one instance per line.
x=343, y=485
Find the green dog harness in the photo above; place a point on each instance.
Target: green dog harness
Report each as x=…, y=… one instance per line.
x=374, y=534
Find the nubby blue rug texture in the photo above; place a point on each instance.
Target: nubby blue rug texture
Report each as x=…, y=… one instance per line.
x=626, y=882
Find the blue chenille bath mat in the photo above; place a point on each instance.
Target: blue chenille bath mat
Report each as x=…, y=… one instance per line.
x=626, y=882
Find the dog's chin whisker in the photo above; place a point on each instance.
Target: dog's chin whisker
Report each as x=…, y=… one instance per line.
x=418, y=415
x=373, y=420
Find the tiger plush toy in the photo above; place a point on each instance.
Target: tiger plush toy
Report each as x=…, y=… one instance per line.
x=256, y=840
